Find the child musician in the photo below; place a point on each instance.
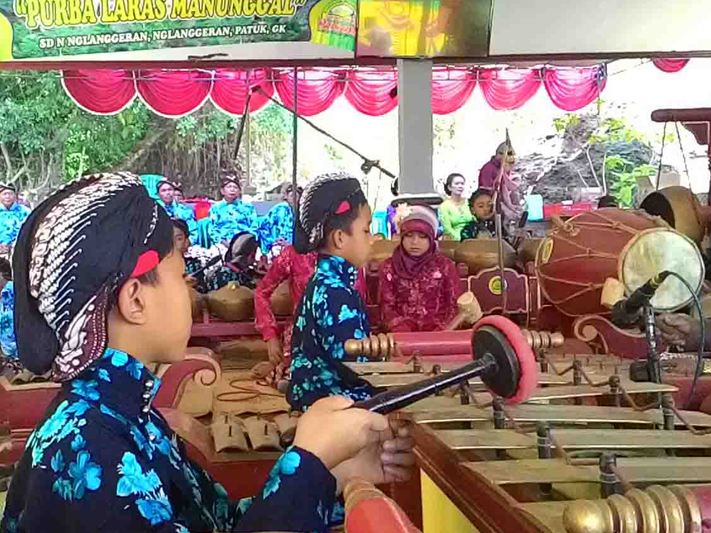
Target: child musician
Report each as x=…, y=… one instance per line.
x=335, y=221
x=418, y=286
x=297, y=269
x=101, y=296
x=483, y=226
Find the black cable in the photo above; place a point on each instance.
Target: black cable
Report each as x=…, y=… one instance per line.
x=368, y=164
x=700, y=353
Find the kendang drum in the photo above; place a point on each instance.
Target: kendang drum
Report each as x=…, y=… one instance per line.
x=654, y=251
x=574, y=261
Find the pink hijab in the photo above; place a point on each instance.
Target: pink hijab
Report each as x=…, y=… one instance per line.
x=422, y=220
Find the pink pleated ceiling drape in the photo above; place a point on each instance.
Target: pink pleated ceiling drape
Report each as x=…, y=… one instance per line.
x=451, y=89
x=509, y=88
x=318, y=89
x=574, y=89
x=231, y=87
x=103, y=92
x=371, y=91
x=670, y=65
x=174, y=93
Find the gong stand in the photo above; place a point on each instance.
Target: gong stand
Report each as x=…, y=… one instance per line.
x=499, y=221
x=650, y=369
x=650, y=330
x=697, y=121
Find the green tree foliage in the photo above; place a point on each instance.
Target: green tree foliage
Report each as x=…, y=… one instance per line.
x=100, y=143
x=45, y=140
x=621, y=173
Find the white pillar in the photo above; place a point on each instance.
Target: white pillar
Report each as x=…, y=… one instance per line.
x=415, y=126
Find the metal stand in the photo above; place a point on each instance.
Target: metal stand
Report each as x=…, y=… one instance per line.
x=650, y=329
x=609, y=484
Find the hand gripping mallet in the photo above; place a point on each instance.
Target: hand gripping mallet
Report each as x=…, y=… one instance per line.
x=502, y=357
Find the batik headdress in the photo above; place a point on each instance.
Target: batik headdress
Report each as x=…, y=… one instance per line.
x=73, y=254
x=325, y=197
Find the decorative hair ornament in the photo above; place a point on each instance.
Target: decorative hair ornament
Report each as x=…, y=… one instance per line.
x=343, y=208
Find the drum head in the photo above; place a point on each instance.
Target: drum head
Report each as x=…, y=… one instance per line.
x=655, y=250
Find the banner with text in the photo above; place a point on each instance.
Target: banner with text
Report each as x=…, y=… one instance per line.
x=177, y=29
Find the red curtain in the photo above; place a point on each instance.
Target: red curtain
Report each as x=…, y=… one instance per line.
x=105, y=92
x=670, y=65
x=509, y=88
x=451, y=89
x=372, y=91
x=230, y=87
x=174, y=93
x=318, y=89
x=573, y=89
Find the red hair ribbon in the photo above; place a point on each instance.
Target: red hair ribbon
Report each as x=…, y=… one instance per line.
x=345, y=206
x=146, y=262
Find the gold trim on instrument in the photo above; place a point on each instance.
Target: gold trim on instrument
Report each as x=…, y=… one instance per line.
x=654, y=510
x=383, y=344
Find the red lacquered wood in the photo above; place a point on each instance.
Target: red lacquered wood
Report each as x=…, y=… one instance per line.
x=598, y=330
x=378, y=515
x=434, y=343
x=486, y=286
x=199, y=363
x=549, y=318
x=700, y=401
x=23, y=406
x=694, y=114
x=703, y=498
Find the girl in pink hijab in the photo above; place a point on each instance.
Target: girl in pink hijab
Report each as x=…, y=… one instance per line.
x=418, y=286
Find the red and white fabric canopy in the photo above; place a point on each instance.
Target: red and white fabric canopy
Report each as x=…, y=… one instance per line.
x=175, y=93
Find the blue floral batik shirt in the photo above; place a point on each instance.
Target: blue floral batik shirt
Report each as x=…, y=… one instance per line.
x=11, y=221
x=7, y=321
x=277, y=224
x=183, y=212
x=103, y=459
x=227, y=220
x=331, y=312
